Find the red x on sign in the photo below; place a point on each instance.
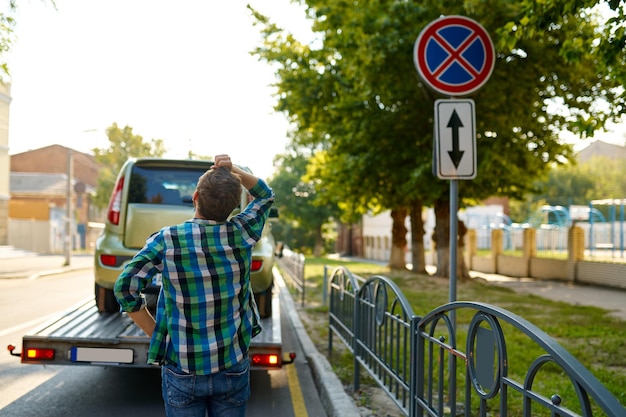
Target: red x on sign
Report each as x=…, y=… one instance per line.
x=454, y=55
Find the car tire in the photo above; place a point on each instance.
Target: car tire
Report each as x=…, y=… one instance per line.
x=264, y=303
x=105, y=300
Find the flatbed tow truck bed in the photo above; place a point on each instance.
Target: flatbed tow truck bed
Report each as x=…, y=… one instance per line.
x=83, y=336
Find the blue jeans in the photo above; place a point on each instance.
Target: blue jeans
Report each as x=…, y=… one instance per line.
x=224, y=394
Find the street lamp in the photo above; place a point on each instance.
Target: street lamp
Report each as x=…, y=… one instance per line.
x=68, y=207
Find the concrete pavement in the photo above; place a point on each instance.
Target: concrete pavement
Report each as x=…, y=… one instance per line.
x=30, y=265
x=611, y=299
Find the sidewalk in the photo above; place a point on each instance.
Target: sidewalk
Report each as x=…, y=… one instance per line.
x=32, y=265
x=612, y=299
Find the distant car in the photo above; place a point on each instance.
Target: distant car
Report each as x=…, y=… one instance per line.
x=151, y=193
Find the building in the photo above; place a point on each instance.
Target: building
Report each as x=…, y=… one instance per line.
x=39, y=190
x=603, y=149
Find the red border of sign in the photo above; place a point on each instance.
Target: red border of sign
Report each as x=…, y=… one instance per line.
x=426, y=35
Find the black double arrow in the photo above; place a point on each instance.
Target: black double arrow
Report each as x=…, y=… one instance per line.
x=455, y=124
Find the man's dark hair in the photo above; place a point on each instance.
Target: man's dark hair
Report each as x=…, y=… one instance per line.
x=219, y=192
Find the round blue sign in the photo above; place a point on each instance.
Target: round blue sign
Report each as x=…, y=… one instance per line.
x=454, y=55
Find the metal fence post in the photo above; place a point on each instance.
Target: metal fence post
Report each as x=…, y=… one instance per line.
x=325, y=286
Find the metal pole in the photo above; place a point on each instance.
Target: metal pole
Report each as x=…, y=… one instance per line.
x=591, y=229
x=621, y=229
x=68, y=207
x=454, y=192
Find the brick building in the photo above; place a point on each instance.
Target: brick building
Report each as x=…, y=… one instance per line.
x=39, y=190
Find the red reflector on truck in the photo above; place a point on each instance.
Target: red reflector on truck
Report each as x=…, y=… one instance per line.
x=256, y=265
x=39, y=354
x=265, y=359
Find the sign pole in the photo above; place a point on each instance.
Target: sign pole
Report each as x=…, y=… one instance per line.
x=454, y=55
x=454, y=195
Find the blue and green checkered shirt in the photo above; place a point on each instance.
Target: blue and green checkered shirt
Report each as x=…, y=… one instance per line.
x=205, y=313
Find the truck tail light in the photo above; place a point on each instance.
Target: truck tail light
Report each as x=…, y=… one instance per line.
x=115, y=204
x=39, y=354
x=266, y=359
x=271, y=360
x=257, y=265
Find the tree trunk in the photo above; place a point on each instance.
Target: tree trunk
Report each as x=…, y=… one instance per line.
x=398, y=239
x=441, y=237
x=417, y=238
x=319, y=242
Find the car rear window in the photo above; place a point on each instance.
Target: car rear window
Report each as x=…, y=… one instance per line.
x=158, y=185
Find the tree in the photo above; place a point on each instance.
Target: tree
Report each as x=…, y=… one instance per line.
x=302, y=216
x=576, y=184
x=7, y=23
x=123, y=144
x=358, y=99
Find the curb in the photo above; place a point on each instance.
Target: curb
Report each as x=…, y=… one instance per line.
x=335, y=400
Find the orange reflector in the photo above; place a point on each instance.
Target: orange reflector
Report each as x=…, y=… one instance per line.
x=265, y=359
x=40, y=354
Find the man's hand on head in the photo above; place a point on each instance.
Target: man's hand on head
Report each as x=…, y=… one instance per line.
x=222, y=161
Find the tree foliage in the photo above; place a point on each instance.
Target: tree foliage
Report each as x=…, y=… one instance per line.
x=355, y=97
x=7, y=35
x=123, y=144
x=7, y=25
x=303, y=216
x=599, y=178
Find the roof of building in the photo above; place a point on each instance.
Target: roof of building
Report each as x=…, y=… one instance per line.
x=48, y=184
x=600, y=148
x=53, y=159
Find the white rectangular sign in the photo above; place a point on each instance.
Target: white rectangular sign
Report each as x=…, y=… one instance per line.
x=455, y=139
x=101, y=355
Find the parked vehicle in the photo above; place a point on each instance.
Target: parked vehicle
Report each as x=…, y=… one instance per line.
x=149, y=194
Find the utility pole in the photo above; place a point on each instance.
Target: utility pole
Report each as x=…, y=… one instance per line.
x=68, y=207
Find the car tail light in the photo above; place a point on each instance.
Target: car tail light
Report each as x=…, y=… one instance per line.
x=256, y=265
x=39, y=354
x=108, y=260
x=115, y=204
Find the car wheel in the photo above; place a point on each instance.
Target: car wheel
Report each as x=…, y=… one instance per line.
x=264, y=303
x=105, y=300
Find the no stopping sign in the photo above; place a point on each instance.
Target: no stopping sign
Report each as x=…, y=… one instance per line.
x=454, y=55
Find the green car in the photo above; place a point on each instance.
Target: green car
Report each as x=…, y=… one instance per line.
x=151, y=193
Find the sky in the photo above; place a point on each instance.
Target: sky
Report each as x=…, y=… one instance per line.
x=173, y=70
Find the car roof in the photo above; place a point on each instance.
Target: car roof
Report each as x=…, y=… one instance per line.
x=174, y=162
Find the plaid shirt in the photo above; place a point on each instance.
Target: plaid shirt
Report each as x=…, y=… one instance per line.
x=205, y=313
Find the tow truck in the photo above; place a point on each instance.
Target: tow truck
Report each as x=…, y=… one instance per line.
x=83, y=335
x=149, y=193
